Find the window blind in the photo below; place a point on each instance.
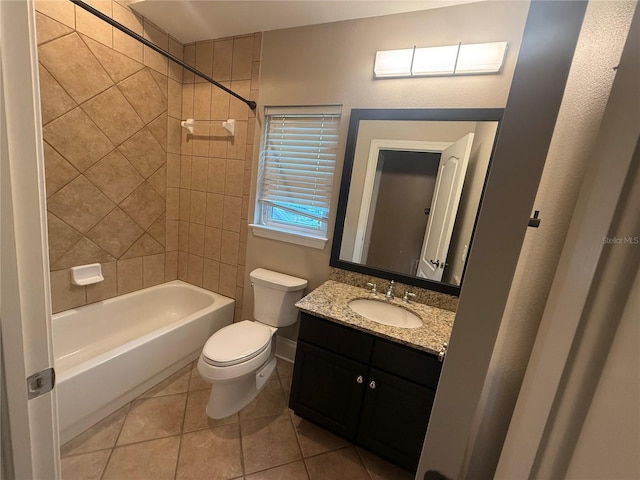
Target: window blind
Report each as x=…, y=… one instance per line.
x=298, y=157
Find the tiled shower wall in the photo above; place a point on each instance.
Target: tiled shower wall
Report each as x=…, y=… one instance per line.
x=127, y=187
x=209, y=182
x=105, y=124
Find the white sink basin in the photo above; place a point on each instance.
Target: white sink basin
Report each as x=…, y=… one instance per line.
x=385, y=313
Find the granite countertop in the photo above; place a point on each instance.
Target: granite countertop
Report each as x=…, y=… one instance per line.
x=331, y=301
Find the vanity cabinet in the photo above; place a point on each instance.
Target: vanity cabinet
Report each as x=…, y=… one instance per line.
x=371, y=391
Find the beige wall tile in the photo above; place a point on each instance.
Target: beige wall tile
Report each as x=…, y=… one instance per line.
x=64, y=295
x=222, y=59
x=202, y=101
x=251, y=132
x=63, y=12
x=216, y=175
x=117, y=65
x=255, y=76
x=159, y=230
x=144, y=94
x=53, y=99
x=185, y=171
x=175, y=99
x=173, y=170
x=242, y=254
x=218, y=146
x=58, y=172
x=220, y=101
x=211, y=275
x=231, y=213
x=240, y=279
x=144, y=152
x=145, y=245
x=238, y=146
x=200, y=141
x=200, y=167
x=185, y=204
x=195, y=270
x=116, y=233
x=154, y=60
x=257, y=46
x=126, y=17
x=183, y=265
x=107, y=288
x=242, y=58
x=158, y=128
x=172, y=235
x=228, y=280
x=174, y=134
x=229, y=247
x=171, y=266
x=153, y=270
x=189, y=58
x=159, y=181
x=215, y=210
x=196, y=239
x=244, y=213
x=204, y=59
x=198, y=207
x=183, y=236
x=244, y=231
x=177, y=50
x=61, y=237
x=82, y=253
x=237, y=108
x=128, y=46
x=234, y=178
x=187, y=100
x=144, y=205
x=173, y=204
x=113, y=115
x=186, y=141
x=129, y=275
x=93, y=27
x=212, y=243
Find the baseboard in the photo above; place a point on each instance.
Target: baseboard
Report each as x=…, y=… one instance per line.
x=285, y=348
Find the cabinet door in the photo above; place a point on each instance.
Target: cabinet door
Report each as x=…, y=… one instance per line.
x=394, y=418
x=327, y=389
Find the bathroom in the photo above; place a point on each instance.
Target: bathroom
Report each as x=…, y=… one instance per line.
x=218, y=253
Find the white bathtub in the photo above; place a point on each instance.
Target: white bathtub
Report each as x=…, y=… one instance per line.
x=109, y=352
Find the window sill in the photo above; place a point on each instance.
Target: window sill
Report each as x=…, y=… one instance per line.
x=289, y=237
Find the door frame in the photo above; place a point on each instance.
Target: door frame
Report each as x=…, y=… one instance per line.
x=375, y=146
x=25, y=289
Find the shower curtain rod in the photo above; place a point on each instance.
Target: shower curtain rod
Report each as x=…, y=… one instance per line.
x=251, y=104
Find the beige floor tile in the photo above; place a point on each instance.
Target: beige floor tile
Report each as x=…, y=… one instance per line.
x=176, y=383
x=153, y=418
x=269, y=402
x=380, y=469
x=291, y=471
x=153, y=460
x=102, y=435
x=196, y=416
x=315, y=440
x=88, y=466
x=285, y=368
x=344, y=463
x=196, y=382
x=259, y=436
x=214, y=454
x=285, y=382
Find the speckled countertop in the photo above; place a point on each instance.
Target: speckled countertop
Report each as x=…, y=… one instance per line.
x=331, y=301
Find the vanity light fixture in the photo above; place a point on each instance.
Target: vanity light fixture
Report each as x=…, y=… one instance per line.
x=471, y=59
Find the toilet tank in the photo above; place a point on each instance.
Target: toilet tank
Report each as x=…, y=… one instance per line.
x=274, y=297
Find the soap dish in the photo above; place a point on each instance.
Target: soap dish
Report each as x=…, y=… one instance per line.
x=86, y=274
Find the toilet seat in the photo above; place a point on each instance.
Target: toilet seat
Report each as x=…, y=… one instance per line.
x=237, y=343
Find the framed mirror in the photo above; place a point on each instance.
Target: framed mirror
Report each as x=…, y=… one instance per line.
x=412, y=186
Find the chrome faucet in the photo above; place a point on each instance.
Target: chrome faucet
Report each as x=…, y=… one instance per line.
x=390, y=291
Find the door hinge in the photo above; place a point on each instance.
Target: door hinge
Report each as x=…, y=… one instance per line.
x=40, y=383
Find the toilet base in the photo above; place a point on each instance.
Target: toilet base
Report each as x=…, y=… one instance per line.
x=229, y=397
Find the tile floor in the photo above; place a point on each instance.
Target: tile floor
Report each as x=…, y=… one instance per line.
x=165, y=434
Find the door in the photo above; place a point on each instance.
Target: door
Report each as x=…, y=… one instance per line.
x=327, y=389
x=25, y=309
x=444, y=207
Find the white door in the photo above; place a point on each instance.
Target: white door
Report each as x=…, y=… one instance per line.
x=444, y=207
x=25, y=311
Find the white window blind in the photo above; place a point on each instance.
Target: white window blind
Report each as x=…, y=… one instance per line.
x=297, y=163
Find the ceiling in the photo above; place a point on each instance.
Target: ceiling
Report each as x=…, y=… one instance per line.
x=194, y=20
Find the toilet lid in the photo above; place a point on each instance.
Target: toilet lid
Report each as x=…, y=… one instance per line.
x=236, y=343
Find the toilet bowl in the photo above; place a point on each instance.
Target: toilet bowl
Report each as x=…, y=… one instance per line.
x=239, y=359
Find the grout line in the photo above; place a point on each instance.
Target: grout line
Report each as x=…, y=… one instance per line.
x=116, y=441
x=362, y=461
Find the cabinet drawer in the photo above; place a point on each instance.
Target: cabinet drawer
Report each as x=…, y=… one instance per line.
x=414, y=365
x=336, y=338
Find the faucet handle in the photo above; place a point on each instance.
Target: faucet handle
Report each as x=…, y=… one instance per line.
x=373, y=286
x=408, y=295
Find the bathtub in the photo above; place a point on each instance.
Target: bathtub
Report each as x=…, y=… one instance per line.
x=108, y=353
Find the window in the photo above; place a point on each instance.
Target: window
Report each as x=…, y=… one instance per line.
x=295, y=175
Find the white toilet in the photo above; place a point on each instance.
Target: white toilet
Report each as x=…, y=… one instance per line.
x=239, y=359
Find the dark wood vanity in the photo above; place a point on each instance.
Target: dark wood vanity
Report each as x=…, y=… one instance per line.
x=373, y=392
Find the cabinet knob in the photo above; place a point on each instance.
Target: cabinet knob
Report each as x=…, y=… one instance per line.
x=372, y=385
x=360, y=379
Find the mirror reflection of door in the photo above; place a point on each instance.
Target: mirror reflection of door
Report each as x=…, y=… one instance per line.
x=444, y=208
x=402, y=194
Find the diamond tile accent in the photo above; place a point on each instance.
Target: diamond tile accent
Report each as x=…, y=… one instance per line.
x=158, y=229
x=53, y=99
x=143, y=93
x=83, y=252
x=80, y=204
x=146, y=245
x=48, y=29
x=144, y=205
x=77, y=139
x=115, y=233
x=115, y=176
x=58, y=172
x=144, y=152
x=61, y=237
x=159, y=181
x=80, y=74
x=158, y=129
x=117, y=65
x=113, y=114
